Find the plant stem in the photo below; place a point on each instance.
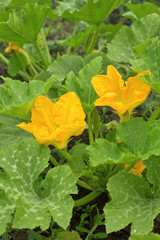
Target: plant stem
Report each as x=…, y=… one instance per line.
x=37, y=67
x=90, y=128
x=91, y=196
x=65, y=154
x=4, y=59
x=155, y=114
x=73, y=34
x=125, y=117
x=83, y=184
x=41, y=56
x=53, y=160
x=95, y=226
x=46, y=47
x=93, y=40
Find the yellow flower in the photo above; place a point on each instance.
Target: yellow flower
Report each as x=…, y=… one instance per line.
x=138, y=168
x=54, y=123
x=13, y=47
x=114, y=93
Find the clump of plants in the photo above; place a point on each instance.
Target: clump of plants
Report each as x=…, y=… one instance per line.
x=58, y=153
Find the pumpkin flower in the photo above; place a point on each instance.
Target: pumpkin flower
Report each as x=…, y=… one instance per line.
x=138, y=168
x=54, y=123
x=113, y=92
x=13, y=47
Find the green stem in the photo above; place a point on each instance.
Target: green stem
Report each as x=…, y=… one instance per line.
x=83, y=184
x=37, y=67
x=93, y=40
x=53, y=160
x=4, y=59
x=30, y=71
x=46, y=47
x=33, y=69
x=90, y=128
x=155, y=114
x=41, y=56
x=125, y=117
x=73, y=34
x=91, y=196
x=98, y=221
x=65, y=154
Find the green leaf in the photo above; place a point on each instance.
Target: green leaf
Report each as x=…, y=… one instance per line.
x=150, y=236
x=22, y=3
x=110, y=30
x=103, y=151
x=141, y=10
x=62, y=66
x=119, y=51
x=133, y=133
x=16, y=98
x=77, y=40
x=105, y=60
x=82, y=86
x=132, y=203
x=94, y=12
x=17, y=62
x=153, y=176
x=24, y=27
x=79, y=155
x=150, y=61
x=141, y=138
x=68, y=236
x=140, y=31
x=9, y=132
x=22, y=164
x=71, y=5
x=6, y=208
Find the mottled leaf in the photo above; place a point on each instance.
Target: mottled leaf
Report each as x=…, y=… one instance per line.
x=140, y=31
x=16, y=97
x=132, y=202
x=23, y=163
x=9, y=132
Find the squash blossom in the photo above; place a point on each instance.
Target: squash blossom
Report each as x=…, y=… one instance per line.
x=138, y=168
x=54, y=123
x=120, y=96
x=13, y=47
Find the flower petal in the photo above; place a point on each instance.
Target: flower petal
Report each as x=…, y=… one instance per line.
x=68, y=110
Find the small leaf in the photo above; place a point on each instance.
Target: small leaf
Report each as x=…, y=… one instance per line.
x=103, y=151
x=150, y=60
x=68, y=236
x=16, y=98
x=64, y=65
x=24, y=28
x=142, y=10
x=16, y=63
x=82, y=86
x=77, y=40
